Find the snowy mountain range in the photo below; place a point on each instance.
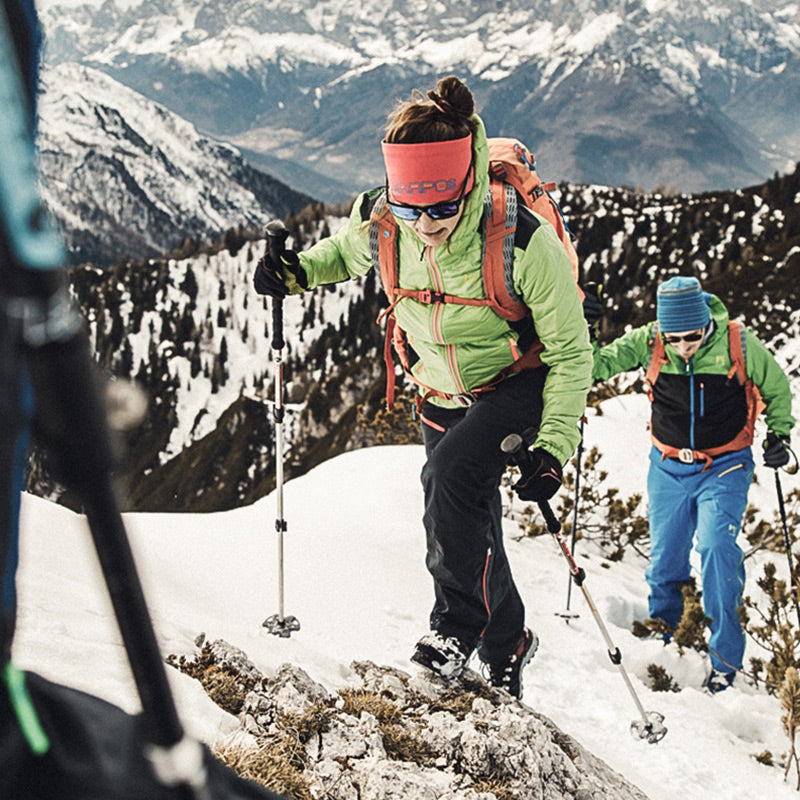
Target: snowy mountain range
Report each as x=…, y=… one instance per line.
x=127, y=177
x=696, y=94
x=657, y=91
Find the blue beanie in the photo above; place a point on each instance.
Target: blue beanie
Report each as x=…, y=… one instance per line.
x=681, y=305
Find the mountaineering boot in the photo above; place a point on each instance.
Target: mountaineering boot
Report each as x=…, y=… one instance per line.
x=718, y=681
x=444, y=655
x=507, y=674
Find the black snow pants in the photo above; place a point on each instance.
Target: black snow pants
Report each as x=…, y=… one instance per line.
x=475, y=597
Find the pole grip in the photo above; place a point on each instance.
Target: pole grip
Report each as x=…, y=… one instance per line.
x=276, y=241
x=553, y=525
x=514, y=446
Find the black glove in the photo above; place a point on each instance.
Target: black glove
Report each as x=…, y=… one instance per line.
x=776, y=450
x=593, y=308
x=540, y=476
x=275, y=279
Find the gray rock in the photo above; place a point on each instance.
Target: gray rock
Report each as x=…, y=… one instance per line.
x=396, y=737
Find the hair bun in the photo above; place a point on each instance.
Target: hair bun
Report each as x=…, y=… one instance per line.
x=453, y=97
x=440, y=102
x=444, y=113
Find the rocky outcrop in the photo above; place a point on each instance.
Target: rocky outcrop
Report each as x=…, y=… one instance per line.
x=396, y=736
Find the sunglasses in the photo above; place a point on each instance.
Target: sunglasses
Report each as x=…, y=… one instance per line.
x=444, y=210
x=689, y=337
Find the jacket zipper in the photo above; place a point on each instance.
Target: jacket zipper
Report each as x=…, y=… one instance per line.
x=437, y=284
x=690, y=367
x=436, y=321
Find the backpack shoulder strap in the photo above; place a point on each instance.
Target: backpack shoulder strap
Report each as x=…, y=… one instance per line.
x=500, y=216
x=383, y=245
x=737, y=346
x=657, y=360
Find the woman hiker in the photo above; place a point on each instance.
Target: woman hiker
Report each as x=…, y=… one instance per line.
x=468, y=360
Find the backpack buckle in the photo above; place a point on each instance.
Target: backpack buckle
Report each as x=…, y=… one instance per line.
x=466, y=399
x=498, y=171
x=686, y=455
x=429, y=296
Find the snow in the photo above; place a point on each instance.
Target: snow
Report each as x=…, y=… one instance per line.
x=241, y=48
x=356, y=580
x=593, y=34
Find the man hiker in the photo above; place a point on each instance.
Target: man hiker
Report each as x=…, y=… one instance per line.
x=708, y=380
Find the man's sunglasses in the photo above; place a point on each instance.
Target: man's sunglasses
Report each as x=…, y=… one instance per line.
x=444, y=210
x=689, y=337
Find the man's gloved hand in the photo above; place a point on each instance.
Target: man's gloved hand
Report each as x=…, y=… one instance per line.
x=540, y=476
x=776, y=450
x=593, y=308
x=278, y=280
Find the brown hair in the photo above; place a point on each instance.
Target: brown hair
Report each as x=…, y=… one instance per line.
x=445, y=114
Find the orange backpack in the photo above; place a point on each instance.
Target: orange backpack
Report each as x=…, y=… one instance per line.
x=512, y=174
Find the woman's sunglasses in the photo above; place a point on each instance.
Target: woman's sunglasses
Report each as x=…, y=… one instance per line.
x=689, y=337
x=444, y=210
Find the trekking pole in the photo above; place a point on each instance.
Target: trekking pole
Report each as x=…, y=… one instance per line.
x=787, y=541
x=71, y=423
x=592, y=287
x=651, y=725
x=278, y=624
x=567, y=614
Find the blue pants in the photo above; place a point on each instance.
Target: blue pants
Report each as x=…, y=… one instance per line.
x=684, y=501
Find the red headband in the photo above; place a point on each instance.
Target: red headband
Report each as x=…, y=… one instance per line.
x=428, y=172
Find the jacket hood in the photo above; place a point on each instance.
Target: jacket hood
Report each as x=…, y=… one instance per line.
x=473, y=209
x=719, y=314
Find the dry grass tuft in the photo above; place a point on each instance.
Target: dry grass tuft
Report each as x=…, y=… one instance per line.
x=276, y=763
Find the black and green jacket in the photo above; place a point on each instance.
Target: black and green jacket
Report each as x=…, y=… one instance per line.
x=695, y=404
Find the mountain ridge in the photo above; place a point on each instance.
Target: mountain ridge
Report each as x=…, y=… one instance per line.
x=126, y=177
x=714, y=85
x=192, y=333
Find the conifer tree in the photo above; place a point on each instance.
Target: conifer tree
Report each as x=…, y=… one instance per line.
x=189, y=286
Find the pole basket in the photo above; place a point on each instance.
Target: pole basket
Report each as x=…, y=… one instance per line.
x=567, y=614
x=652, y=731
x=281, y=626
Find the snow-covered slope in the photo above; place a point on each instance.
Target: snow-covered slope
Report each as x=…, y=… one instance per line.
x=356, y=580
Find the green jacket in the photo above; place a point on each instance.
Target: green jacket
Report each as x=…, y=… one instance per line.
x=633, y=350
x=463, y=347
